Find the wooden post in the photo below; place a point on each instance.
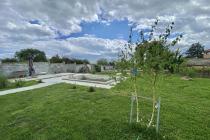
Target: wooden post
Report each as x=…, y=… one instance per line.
x=158, y=116
x=131, y=111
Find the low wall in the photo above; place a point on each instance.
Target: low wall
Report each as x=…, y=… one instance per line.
x=198, y=62
x=10, y=70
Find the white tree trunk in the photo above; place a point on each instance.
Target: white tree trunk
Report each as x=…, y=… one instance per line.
x=153, y=99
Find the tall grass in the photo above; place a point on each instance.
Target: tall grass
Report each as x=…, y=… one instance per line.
x=3, y=82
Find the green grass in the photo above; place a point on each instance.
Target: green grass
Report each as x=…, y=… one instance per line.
x=12, y=85
x=61, y=112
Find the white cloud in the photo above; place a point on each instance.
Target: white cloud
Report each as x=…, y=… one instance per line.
x=81, y=47
x=192, y=17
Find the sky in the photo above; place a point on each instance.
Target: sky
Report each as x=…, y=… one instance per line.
x=94, y=29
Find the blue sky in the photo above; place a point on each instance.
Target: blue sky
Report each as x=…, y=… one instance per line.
x=116, y=29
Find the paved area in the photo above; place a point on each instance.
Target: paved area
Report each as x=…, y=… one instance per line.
x=25, y=88
x=51, y=79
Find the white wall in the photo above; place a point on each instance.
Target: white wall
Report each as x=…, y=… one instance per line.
x=40, y=67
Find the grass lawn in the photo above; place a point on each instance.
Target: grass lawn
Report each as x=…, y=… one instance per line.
x=13, y=85
x=60, y=112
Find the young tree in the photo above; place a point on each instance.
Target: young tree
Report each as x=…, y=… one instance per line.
x=152, y=55
x=195, y=51
x=23, y=55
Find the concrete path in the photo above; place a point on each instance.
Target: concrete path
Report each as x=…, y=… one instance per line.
x=24, y=88
x=48, y=80
x=51, y=79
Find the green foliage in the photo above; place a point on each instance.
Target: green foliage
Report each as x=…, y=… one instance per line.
x=74, y=87
x=19, y=83
x=151, y=55
x=102, y=61
x=91, y=89
x=85, y=61
x=122, y=66
x=23, y=55
x=97, y=68
x=66, y=60
x=195, y=71
x=3, y=82
x=195, y=51
x=78, y=61
x=73, y=60
x=9, y=60
x=188, y=71
x=40, y=81
x=56, y=59
x=155, y=56
x=112, y=63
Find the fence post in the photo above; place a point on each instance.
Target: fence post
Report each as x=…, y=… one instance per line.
x=131, y=111
x=158, y=116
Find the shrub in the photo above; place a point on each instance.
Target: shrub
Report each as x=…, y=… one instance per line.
x=93, y=72
x=188, y=71
x=19, y=83
x=97, y=68
x=3, y=82
x=74, y=87
x=40, y=81
x=9, y=60
x=91, y=89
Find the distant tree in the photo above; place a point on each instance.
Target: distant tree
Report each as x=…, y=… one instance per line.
x=67, y=60
x=102, y=61
x=9, y=60
x=39, y=56
x=195, y=51
x=78, y=61
x=112, y=63
x=56, y=59
x=85, y=61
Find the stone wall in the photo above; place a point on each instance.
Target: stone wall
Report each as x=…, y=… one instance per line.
x=11, y=70
x=198, y=62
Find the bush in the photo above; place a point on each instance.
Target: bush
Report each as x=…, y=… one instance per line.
x=3, y=82
x=40, y=81
x=74, y=87
x=93, y=72
x=19, y=83
x=189, y=71
x=9, y=60
x=91, y=89
x=56, y=59
x=97, y=68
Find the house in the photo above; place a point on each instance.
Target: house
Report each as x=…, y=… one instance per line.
x=206, y=54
